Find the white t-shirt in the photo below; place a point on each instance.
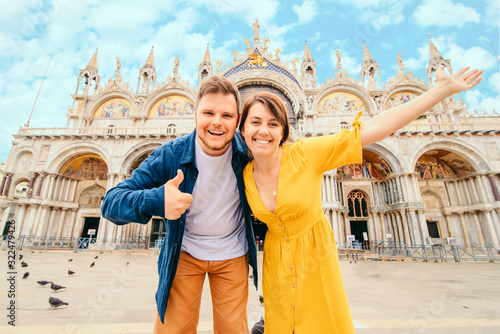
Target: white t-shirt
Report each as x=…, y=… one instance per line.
x=215, y=226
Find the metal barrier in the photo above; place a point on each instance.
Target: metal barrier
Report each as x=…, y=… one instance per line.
x=34, y=242
x=158, y=245
x=99, y=244
x=103, y=244
x=457, y=253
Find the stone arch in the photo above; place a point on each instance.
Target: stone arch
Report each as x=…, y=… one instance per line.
x=120, y=94
x=329, y=89
x=16, y=182
x=161, y=93
x=396, y=89
x=394, y=161
x=135, y=153
x=92, y=195
x=439, y=195
x=466, y=151
x=18, y=158
x=63, y=156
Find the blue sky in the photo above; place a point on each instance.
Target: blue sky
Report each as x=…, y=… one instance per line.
x=467, y=32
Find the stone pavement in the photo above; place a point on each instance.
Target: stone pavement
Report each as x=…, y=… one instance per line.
x=113, y=297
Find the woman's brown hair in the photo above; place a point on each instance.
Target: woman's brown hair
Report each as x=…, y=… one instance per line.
x=275, y=104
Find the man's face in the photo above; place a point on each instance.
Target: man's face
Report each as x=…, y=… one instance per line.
x=216, y=119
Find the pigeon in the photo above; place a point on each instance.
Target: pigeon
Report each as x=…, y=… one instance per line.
x=23, y=264
x=56, y=302
x=258, y=327
x=26, y=274
x=128, y=263
x=92, y=264
x=56, y=287
x=71, y=272
x=21, y=256
x=70, y=260
x=96, y=256
x=42, y=283
x=261, y=300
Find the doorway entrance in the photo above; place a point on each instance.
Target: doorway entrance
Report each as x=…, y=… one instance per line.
x=157, y=231
x=358, y=227
x=90, y=229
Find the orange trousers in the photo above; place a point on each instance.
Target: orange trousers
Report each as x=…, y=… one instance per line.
x=228, y=285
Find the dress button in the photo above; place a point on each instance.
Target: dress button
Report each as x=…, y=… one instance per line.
x=293, y=285
x=284, y=237
x=287, y=248
x=281, y=225
x=291, y=267
x=292, y=305
x=283, y=231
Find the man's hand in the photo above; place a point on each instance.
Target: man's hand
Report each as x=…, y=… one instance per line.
x=176, y=202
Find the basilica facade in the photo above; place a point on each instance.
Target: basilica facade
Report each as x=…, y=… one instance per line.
x=435, y=181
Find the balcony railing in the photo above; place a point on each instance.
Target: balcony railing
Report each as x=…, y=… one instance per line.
x=412, y=128
x=103, y=132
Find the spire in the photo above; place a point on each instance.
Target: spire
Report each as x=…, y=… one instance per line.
x=367, y=57
x=434, y=54
x=308, y=70
x=147, y=74
x=205, y=68
x=150, y=62
x=92, y=65
x=369, y=67
x=89, y=75
x=435, y=60
x=307, y=54
x=206, y=58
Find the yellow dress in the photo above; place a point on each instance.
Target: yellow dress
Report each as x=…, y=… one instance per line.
x=302, y=283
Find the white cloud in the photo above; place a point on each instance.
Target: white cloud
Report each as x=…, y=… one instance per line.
x=307, y=11
x=485, y=96
x=492, y=13
x=263, y=10
x=376, y=14
x=444, y=13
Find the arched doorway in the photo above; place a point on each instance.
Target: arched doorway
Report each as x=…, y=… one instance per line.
x=358, y=216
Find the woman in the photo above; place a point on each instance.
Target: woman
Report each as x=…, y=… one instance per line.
x=302, y=282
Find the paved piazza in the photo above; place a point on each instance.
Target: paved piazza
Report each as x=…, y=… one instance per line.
x=116, y=297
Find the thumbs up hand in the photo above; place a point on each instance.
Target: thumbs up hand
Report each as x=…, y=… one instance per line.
x=176, y=202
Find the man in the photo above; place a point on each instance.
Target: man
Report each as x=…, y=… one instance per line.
x=196, y=183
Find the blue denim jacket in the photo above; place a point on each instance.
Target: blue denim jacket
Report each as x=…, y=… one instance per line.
x=142, y=196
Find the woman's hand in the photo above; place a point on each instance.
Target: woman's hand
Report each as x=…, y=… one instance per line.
x=460, y=81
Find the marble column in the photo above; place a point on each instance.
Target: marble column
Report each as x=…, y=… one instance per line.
x=48, y=226
x=340, y=225
x=2, y=187
x=40, y=184
x=19, y=218
x=62, y=222
x=423, y=225
x=464, y=227
x=406, y=229
x=7, y=185
x=478, y=227
x=39, y=225
x=451, y=233
x=492, y=231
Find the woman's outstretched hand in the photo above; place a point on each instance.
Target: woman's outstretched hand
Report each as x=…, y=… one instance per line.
x=460, y=81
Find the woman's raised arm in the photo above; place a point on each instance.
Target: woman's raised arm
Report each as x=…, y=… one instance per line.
x=395, y=118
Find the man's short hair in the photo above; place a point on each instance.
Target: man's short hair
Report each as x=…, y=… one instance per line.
x=215, y=84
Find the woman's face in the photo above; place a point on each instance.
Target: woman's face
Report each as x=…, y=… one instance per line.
x=262, y=131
